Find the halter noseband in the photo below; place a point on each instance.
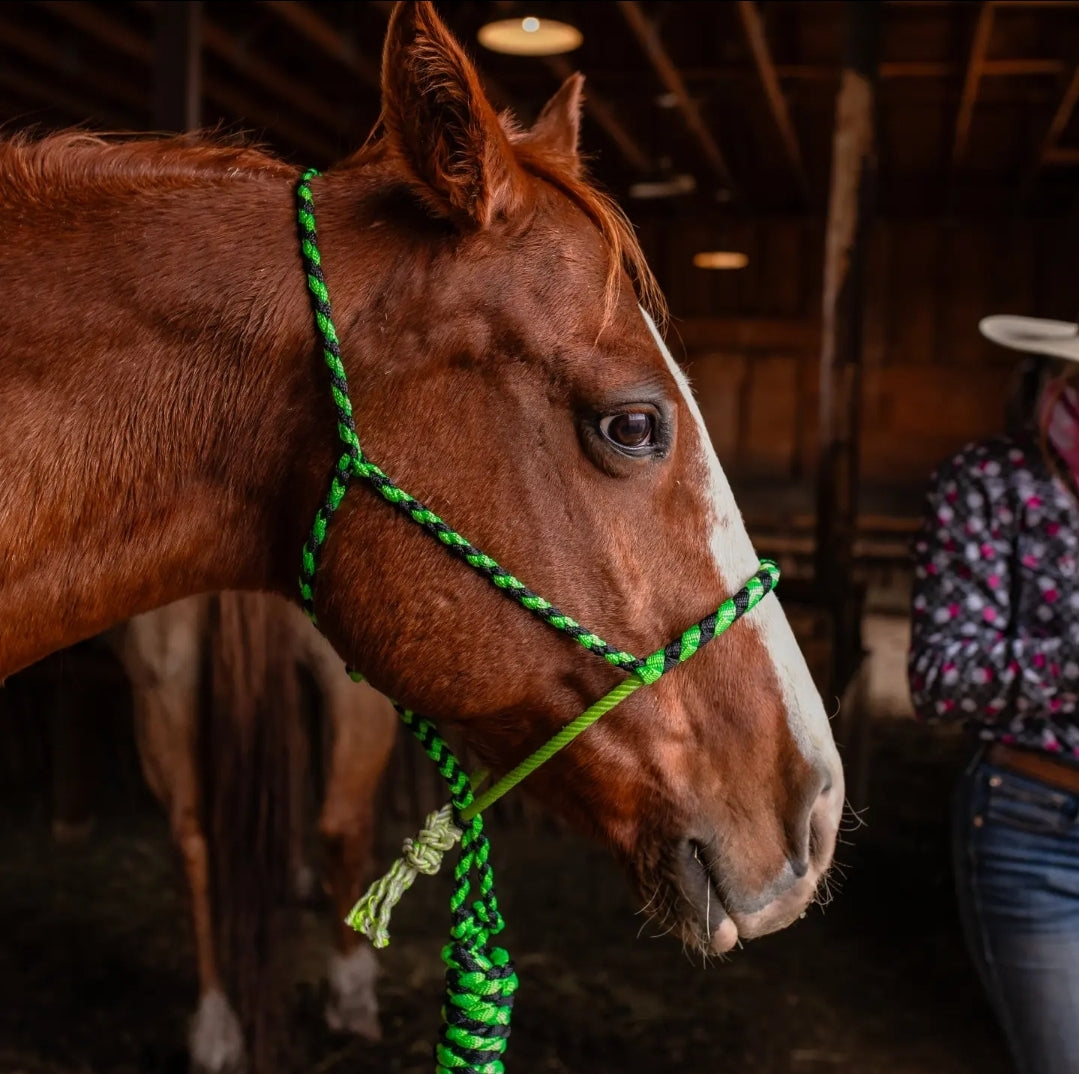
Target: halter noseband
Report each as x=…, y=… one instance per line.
x=480, y=979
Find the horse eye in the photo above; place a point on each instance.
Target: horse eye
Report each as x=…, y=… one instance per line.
x=631, y=430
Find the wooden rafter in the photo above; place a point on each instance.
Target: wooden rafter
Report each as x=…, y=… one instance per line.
x=105, y=28
x=92, y=20
x=1061, y=118
x=1067, y=156
x=983, y=30
x=266, y=76
x=42, y=50
x=753, y=26
x=301, y=18
x=178, y=66
x=674, y=83
x=74, y=105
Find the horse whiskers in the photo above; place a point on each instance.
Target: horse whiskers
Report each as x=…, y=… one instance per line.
x=856, y=816
x=646, y=908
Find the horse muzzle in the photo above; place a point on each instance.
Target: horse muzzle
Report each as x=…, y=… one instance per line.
x=716, y=912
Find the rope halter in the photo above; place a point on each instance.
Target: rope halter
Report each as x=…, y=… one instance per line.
x=480, y=981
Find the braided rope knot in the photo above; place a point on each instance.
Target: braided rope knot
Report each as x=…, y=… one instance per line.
x=481, y=984
x=423, y=854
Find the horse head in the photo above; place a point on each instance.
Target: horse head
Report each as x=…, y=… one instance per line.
x=501, y=332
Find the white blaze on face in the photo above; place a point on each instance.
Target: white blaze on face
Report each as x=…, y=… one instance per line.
x=737, y=562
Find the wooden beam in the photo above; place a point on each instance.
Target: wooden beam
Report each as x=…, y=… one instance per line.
x=673, y=82
x=318, y=31
x=1047, y=4
x=295, y=133
x=272, y=79
x=983, y=30
x=1005, y=67
x=605, y=118
x=76, y=106
x=113, y=33
x=845, y=255
x=1063, y=156
x=753, y=27
x=703, y=335
x=1061, y=118
x=266, y=76
x=1022, y=68
x=178, y=66
x=102, y=27
x=42, y=50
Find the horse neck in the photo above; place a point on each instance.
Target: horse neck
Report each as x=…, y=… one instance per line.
x=165, y=423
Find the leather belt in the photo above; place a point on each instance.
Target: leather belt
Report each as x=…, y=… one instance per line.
x=1035, y=764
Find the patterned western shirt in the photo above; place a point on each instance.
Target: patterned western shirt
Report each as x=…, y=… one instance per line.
x=995, y=609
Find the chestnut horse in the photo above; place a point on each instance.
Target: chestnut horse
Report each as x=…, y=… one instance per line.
x=208, y=781
x=168, y=430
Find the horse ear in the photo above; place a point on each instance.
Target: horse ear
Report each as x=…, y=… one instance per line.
x=440, y=122
x=559, y=124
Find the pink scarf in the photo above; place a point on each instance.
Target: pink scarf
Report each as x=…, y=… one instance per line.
x=1059, y=416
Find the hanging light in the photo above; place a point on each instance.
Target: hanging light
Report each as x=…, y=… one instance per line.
x=671, y=185
x=720, y=259
x=530, y=36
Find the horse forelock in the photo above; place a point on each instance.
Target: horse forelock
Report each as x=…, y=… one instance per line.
x=608, y=218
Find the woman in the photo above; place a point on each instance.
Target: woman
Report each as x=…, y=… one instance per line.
x=995, y=644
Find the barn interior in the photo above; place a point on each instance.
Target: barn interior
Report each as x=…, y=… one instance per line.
x=832, y=195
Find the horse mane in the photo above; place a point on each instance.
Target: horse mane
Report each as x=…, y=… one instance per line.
x=39, y=168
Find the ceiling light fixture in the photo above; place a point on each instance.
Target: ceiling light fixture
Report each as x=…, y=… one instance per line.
x=720, y=259
x=667, y=186
x=530, y=36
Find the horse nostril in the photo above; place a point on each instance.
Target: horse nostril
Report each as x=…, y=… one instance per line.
x=799, y=866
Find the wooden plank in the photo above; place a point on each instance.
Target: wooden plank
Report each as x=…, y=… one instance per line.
x=1001, y=67
x=770, y=445
x=842, y=310
x=1057, y=125
x=42, y=49
x=753, y=26
x=269, y=77
x=102, y=27
x=671, y=78
x=178, y=66
x=702, y=335
x=983, y=30
x=1063, y=156
x=718, y=385
x=113, y=33
x=308, y=23
x=75, y=106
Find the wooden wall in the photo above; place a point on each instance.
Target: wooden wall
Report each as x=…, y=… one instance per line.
x=931, y=383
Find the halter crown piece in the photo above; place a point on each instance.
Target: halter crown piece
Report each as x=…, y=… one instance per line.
x=480, y=980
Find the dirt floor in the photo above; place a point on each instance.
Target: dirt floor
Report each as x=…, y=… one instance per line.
x=96, y=974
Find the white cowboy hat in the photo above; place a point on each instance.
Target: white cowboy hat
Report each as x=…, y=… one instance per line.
x=1034, y=335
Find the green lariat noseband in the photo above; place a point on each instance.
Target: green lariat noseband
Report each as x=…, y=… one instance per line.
x=480, y=981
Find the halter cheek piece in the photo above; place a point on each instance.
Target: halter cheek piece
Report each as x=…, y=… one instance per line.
x=480, y=981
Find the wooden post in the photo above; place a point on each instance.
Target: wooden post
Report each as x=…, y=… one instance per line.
x=849, y=216
x=178, y=66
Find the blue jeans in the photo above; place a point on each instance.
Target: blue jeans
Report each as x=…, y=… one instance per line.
x=1016, y=854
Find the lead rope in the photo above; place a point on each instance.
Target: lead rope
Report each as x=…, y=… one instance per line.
x=480, y=980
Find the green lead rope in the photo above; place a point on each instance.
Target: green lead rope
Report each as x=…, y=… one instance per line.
x=480, y=981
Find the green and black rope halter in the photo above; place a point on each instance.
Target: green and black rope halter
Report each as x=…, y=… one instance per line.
x=480, y=981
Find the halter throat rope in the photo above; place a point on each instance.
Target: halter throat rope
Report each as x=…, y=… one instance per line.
x=480, y=981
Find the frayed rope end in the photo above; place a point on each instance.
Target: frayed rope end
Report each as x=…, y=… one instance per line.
x=371, y=915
